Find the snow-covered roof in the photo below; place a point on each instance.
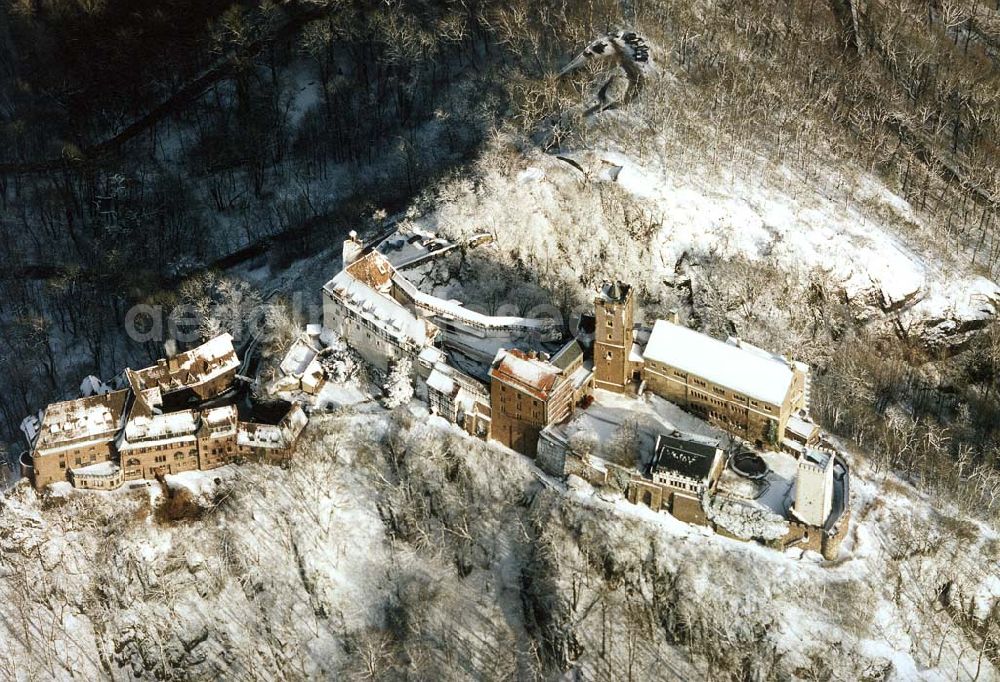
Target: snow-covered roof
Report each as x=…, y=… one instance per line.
x=221, y=421
x=580, y=376
x=274, y=436
x=441, y=382
x=298, y=357
x=29, y=427
x=294, y=422
x=536, y=376
x=99, y=469
x=820, y=458
x=431, y=356
x=208, y=361
x=373, y=270
x=568, y=355
x=73, y=422
x=800, y=427
x=260, y=435
x=635, y=353
x=457, y=311
x=614, y=292
x=219, y=415
x=92, y=385
x=173, y=426
x=381, y=309
x=761, y=377
x=153, y=396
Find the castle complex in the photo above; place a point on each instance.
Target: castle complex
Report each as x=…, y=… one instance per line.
x=157, y=424
x=534, y=384
x=519, y=381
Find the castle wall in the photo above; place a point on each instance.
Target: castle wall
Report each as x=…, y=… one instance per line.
x=216, y=386
x=157, y=458
x=752, y=420
x=688, y=509
x=215, y=452
x=375, y=346
x=99, y=481
x=653, y=495
x=551, y=454
x=53, y=467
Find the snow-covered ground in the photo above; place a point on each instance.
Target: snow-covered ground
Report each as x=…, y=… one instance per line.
x=288, y=569
x=861, y=250
x=847, y=231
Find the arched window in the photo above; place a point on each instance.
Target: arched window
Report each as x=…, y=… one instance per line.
x=132, y=462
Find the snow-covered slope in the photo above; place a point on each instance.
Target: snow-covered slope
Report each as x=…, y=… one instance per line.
x=847, y=230
x=396, y=545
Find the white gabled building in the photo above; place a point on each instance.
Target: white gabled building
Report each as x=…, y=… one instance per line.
x=358, y=305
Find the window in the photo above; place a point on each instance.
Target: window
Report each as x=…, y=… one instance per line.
x=62, y=465
x=607, y=356
x=611, y=323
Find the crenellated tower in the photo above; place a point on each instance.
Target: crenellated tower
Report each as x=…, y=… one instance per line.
x=614, y=316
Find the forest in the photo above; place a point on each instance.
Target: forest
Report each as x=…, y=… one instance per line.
x=151, y=154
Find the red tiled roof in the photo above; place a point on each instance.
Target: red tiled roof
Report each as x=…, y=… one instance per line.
x=530, y=374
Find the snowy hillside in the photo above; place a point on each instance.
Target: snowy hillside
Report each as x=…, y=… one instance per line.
x=394, y=546
x=848, y=233
x=818, y=179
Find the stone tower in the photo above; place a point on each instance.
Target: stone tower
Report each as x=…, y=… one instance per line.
x=613, y=313
x=814, y=487
x=353, y=247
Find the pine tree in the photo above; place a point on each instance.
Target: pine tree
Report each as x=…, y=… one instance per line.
x=398, y=387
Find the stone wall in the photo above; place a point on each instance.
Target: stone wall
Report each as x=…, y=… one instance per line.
x=55, y=466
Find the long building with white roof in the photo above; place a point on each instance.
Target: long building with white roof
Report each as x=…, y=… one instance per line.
x=358, y=305
x=739, y=387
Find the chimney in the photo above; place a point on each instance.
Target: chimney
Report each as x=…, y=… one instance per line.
x=672, y=316
x=170, y=348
